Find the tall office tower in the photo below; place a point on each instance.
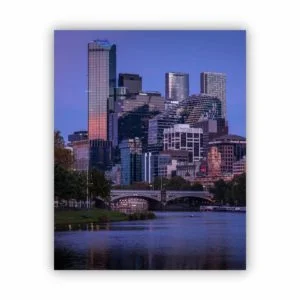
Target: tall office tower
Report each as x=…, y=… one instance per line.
x=177, y=86
x=215, y=84
x=131, y=161
x=133, y=82
x=101, y=81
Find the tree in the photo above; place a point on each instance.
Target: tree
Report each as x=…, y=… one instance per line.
x=62, y=156
x=178, y=183
x=140, y=186
x=233, y=192
x=99, y=186
x=219, y=190
x=196, y=187
x=160, y=182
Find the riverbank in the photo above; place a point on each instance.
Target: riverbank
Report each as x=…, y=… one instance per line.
x=66, y=217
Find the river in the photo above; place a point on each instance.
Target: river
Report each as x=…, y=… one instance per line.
x=172, y=241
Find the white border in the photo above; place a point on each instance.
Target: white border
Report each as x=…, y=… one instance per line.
x=272, y=125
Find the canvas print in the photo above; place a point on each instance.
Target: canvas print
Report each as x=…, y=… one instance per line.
x=150, y=150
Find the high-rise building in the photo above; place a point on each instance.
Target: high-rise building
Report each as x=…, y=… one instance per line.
x=101, y=82
x=100, y=153
x=154, y=165
x=232, y=148
x=131, y=161
x=177, y=86
x=182, y=137
x=215, y=84
x=133, y=82
x=78, y=136
x=101, y=85
x=156, y=131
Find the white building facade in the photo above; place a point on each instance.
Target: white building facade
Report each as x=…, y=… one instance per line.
x=182, y=137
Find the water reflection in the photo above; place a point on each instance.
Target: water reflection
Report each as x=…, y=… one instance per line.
x=212, y=241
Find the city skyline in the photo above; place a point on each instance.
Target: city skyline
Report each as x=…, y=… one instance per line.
x=71, y=78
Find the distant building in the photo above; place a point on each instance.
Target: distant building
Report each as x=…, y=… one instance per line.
x=78, y=136
x=182, y=137
x=181, y=156
x=133, y=82
x=232, y=149
x=131, y=161
x=156, y=130
x=215, y=84
x=239, y=167
x=211, y=129
x=201, y=107
x=100, y=155
x=115, y=111
x=81, y=154
x=154, y=165
x=170, y=103
x=177, y=86
x=188, y=171
x=190, y=111
x=172, y=169
x=154, y=101
x=214, y=162
x=114, y=175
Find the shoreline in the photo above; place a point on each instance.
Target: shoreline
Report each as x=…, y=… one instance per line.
x=80, y=218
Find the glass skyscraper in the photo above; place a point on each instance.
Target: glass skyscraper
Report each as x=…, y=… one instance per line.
x=101, y=80
x=131, y=161
x=177, y=86
x=215, y=84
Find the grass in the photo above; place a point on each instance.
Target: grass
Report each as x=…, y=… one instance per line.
x=73, y=217
x=65, y=217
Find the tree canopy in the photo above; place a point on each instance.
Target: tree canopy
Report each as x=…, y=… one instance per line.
x=62, y=156
x=232, y=192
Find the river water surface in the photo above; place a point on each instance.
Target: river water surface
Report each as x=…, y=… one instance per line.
x=172, y=241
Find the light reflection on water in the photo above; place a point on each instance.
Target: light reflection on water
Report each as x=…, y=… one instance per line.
x=173, y=241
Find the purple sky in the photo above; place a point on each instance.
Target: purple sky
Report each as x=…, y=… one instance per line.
x=150, y=54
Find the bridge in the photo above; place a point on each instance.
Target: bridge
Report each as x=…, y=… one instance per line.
x=159, y=196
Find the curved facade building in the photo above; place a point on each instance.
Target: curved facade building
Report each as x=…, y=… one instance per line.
x=177, y=86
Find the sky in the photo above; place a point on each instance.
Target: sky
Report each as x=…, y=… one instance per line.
x=150, y=54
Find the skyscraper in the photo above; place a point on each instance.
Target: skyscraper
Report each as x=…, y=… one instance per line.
x=131, y=161
x=215, y=84
x=101, y=80
x=177, y=86
x=133, y=82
